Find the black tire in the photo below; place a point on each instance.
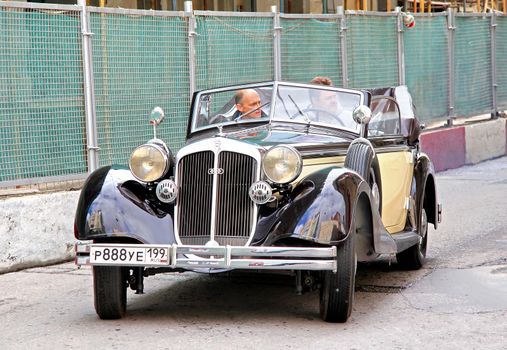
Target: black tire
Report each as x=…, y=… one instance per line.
x=337, y=290
x=110, y=291
x=361, y=158
x=414, y=257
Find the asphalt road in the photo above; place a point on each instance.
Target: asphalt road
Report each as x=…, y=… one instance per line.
x=457, y=301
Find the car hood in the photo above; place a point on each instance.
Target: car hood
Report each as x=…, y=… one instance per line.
x=267, y=136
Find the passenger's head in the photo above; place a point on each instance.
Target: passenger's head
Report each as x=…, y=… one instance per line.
x=322, y=81
x=324, y=99
x=246, y=101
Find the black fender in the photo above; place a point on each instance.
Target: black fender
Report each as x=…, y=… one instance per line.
x=321, y=209
x=113, y=206
x=426, y=198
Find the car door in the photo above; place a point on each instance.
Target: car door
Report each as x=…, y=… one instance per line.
x=396, y=162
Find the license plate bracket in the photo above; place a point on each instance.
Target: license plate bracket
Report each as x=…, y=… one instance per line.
x=128, y=255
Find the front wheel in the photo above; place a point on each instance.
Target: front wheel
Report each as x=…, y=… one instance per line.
x=337, y=290
x=414, y=257
x=110, y=291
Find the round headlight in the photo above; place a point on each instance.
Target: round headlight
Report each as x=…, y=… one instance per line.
x=149, y=162
x=282, y=164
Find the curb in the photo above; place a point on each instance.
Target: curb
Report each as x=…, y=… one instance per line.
x=455, y=147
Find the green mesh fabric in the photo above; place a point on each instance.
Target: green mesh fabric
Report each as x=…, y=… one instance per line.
x=472, y=68
x=372, y=47
x=42, y=125
x=139, y=62
x=501, y=62
x=427, y=66
x=309, y=48
x=232, y=50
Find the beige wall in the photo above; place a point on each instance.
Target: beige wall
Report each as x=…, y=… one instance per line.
x=126, y=4
x=265, y=5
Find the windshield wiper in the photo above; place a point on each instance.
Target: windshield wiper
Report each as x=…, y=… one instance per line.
x=250, y=112
x=299, y=110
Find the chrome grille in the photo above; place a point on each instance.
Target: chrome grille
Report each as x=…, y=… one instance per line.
x=195, y=198
x=234, y=207
x=234, y=211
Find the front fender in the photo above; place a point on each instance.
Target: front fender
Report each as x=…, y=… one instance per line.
x=114, y=206
x=320, y=209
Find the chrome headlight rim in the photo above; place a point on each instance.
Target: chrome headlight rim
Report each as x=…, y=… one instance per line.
x=298, y=166
x=166, y=161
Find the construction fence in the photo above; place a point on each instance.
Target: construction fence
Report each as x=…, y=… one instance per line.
x=77, y=83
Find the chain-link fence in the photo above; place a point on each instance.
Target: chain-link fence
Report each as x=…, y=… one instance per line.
x=231, y=50
x=139, y=62
x=427, y=65
x=500, y=73
x=472, y=68
x=372, y=59
x=77, y=83
x=310, y=46
x=41, y=94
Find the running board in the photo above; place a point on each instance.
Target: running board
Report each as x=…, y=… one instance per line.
x=405, y=240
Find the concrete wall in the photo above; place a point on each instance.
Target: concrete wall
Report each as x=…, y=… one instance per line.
x=38, y=229
x=451, y=148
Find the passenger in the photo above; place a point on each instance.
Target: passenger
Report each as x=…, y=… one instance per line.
x=325, y=100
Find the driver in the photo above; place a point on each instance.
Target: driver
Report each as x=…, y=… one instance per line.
x=325, y=100
x=248, y=104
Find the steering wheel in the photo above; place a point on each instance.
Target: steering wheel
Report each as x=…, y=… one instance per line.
x=317, y=111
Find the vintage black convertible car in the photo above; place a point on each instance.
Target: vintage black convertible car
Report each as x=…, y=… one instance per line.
x=276, y=176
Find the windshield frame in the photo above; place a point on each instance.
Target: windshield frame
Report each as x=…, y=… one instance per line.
x=275, y=86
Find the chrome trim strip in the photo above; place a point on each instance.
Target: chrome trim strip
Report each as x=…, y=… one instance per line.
x=309, y=154
x=390, y=149
x=278, y=258
x=214, y=193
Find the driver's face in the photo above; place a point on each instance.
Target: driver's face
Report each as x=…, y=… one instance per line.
x=327, y=100
x=249, y=102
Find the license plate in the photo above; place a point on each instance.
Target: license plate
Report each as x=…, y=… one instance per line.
x=129, y=255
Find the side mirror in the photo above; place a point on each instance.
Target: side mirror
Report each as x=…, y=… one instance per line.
x=156, y=117
x=362, y=115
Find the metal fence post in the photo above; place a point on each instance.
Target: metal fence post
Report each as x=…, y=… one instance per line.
x=91, y=118
x=401, y=48
x=451, y=27
x=277, y=29
x=343, y=46
x=494, y=113
x=192, y=25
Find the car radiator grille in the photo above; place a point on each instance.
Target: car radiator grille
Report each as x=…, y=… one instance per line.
x=234, y=211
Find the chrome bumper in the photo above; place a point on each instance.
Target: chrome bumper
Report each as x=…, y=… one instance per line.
x=221, y=257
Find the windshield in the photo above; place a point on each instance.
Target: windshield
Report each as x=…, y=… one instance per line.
x=298, y=103
x=317, y=105
x=233, y=106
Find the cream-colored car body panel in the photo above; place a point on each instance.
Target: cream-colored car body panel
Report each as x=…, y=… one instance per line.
x=396, y=169
x=315, y=164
